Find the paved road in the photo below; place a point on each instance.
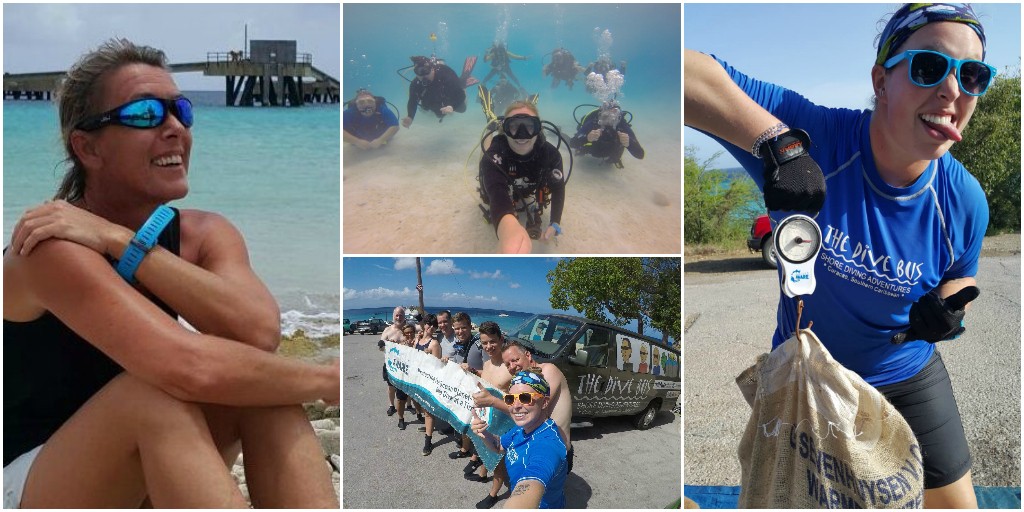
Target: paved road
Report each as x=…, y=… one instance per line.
x=616, y=466
x=729, y=319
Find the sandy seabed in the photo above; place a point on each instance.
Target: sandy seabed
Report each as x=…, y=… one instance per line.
x=418, y=193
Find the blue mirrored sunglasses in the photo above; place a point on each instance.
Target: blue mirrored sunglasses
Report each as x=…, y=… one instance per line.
x=143, y=113
x=928, y=68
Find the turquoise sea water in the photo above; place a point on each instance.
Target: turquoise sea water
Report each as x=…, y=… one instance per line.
x=378, y=40
x=274, y=172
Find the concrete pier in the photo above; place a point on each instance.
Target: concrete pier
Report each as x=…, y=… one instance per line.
x=272, y=73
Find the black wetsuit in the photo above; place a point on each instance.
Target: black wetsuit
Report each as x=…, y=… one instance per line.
x=608, y=145
x=50, y=372
x=447, y=89
x=508, y=178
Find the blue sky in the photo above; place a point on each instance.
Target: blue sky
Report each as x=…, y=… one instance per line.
x=501, y=283
x=50, y=37
x=515, y=284
x=835, y=43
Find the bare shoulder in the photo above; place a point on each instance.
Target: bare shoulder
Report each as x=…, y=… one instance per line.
x=551, y=373
x=54, y=264
x=203, y=223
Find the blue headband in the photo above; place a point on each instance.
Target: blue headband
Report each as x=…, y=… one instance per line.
x=911, y=17
x=533, y=380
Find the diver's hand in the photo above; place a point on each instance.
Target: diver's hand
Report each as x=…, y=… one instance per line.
x=792, y=180
x=933, y=318
x=623, y=139
x=406, y=121
x=447, y=110
x=61, y=219
x=593, y=135
x=551, y=232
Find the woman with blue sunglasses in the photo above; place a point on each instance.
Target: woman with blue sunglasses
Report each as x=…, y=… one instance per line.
x=902, y=216
x=110, y=401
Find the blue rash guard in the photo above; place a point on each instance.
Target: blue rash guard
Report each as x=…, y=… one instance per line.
x=883, y=247
x=369, y=128
x=539, y=455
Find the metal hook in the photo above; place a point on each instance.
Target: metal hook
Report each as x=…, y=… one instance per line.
x=799, y=313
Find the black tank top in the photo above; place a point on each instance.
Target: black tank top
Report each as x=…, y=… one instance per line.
x=49, y=371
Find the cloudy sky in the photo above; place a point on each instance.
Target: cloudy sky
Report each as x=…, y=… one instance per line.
x=50, y=37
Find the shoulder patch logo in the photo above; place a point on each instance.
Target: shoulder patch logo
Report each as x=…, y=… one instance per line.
x=497, y=159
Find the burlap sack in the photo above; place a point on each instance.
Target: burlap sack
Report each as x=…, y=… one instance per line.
x=821, y=437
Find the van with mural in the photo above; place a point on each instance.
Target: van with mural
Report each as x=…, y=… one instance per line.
x=611, y=371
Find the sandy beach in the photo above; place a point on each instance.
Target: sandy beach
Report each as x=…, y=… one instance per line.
x=418, y=193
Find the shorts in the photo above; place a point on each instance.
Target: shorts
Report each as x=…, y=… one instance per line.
x=15, y=475
x=926, y=401
x=398, y=392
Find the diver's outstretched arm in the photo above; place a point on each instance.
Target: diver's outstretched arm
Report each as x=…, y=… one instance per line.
x=512, y=236
x=714, y=103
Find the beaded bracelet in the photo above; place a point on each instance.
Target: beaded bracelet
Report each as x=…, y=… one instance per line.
x=774, y=131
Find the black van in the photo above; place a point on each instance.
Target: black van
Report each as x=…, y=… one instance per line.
x=610, y=371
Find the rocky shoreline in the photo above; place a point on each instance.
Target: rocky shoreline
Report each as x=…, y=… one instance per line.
x=325, y=419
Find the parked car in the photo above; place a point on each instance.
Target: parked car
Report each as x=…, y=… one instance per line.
x=346, y=327
x=610, y=371
x=371, y=326
x=761, y=240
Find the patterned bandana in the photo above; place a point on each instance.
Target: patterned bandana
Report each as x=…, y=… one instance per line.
x=911, y=17
x=533, y=380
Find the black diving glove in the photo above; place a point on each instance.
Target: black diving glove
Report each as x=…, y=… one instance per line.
x=792, y=180
x=934, y=319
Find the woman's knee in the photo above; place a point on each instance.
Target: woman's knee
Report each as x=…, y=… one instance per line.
x=148, y=405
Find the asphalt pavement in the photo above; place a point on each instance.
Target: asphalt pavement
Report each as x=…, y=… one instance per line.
x=616, y=466
x=729, y=317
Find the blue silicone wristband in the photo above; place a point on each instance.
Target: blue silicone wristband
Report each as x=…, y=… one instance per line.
x=143, y=242
x=558, y=229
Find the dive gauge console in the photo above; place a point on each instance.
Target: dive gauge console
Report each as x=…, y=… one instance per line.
x=797, y=241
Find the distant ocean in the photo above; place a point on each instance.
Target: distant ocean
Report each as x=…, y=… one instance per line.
x=274, y=172
x=479, y=316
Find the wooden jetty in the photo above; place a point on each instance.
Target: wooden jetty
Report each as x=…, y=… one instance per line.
x=272, y=73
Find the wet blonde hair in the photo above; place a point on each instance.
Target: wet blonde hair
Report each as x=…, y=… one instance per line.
x=522, y=104
x=80, y=95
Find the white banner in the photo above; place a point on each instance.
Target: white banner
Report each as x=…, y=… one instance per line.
x=445, y=391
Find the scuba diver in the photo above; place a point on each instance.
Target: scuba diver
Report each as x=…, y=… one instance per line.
x=437, y=88
x=368, y=122
x=604, y=133
x=602, y=66
x=500, y=57
x=563, y=66
x=503, y=94
x=521, y=173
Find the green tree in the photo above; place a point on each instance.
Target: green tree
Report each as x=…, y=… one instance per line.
x=990, y=150
x=617, y=290
x=717, y=206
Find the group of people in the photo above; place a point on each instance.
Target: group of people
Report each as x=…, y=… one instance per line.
x=536, y=396
x=521, y=173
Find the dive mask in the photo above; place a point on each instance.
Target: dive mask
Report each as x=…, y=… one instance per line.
x=609, y=118
x=521, y=126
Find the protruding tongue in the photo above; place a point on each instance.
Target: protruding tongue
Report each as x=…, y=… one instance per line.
x=948, y=130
